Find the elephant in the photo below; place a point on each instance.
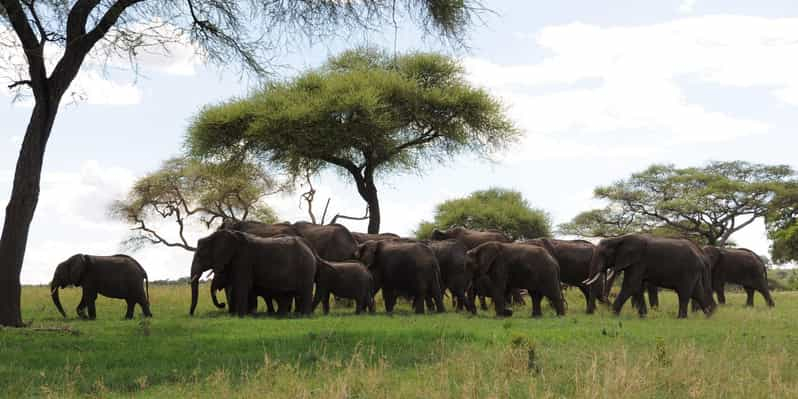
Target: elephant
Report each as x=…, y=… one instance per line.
x=221, y=281
x=363, y=237
x=350, y=280
x=673, y=263
x=331, y=242
x=471, y=238
x=738, y=266
x=505, y=266
x=116, y=276
x=454, y=276
x=651, y=290
x=403, y=268
x=283, y=267
x=574, y=259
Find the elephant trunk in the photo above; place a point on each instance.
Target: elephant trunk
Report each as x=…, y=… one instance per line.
x=56, y=299
x=194, y=293
x=216, y=302
x=594, y=271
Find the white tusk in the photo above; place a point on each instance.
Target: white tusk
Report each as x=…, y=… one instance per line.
x=591, y=280
x=195, y=278
x=52, y=291
x=610, y=274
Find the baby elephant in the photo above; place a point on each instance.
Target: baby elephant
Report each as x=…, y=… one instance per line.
x=117, y=276
x=350, y=280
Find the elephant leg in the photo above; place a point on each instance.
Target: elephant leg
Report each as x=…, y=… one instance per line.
x=389, y=298
x=699, y=297
x=684, y=295
x=766, y=294
x=418, y=304
x=749, y=293
x=517, y=297
x=145, y=308
x=81, y=308
x=536, y=299
x=90, y=302
x=307, y=300
x=653, y=296
x=283, y=304
x=719, y=290
x=440, y=306
x=642, y=309
x=325, y=304
x=270, y=304
x=590, y=299
x=430, y=302
x=499, y=301
x=241, y=301
x=131, y=304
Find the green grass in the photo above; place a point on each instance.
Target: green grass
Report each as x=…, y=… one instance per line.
x=739, y=352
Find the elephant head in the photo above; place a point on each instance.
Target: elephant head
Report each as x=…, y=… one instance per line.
x=68, y=272
x=712, y=254
x=615, y=254
x=480, y=260
x=213, y=252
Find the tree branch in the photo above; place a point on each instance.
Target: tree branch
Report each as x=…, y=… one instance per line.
x=364, y=217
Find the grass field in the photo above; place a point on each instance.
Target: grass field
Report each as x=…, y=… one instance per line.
x=739, y=352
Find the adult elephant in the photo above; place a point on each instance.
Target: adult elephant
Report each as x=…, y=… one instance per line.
x=360, y=238
x=471, y=239
x=454, y=276
x=650, y=289
x=503, y=266
x=331, y=242
x=574, y=257
x=117, y=276
x=672, y=263
x=738, y=266
x=284, y=267
x=403, y=268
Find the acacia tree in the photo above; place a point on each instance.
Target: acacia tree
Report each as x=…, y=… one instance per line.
x=365, y=112
x=242, y=32
x=187, y=191
x=782, y=225
x=707, y=204
x=495, y=208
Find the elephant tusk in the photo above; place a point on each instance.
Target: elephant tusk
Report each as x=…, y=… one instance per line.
x=591, y=280
x=195, y=278
x=610, y=274
x=52, y=291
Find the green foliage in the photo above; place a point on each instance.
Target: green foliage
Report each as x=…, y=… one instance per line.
x=365, y=112
x=706, y=204
x=185, y=189
x=495, y=208
x=782, y=225
x=212, y=355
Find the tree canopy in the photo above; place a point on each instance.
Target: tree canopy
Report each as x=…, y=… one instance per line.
x=707, y=204
x=187, y=191
x=494, y=208
x=782, y=225
x=365, y=112
x=243, y=33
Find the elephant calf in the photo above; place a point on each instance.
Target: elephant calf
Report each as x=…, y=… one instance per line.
x=117, y=276
x=350, y=280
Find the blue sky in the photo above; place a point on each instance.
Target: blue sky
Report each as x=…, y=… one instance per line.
x=601, y=89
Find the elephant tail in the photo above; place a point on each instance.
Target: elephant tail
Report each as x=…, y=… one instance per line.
x=146, y=288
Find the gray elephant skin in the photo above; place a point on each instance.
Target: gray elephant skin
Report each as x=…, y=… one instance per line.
x=504, y=267
x=738, y=266
x=360, y=238
x=221, y=281
x=117, y=276
x=672, y=263
x=283, y=267
x=451, y=255
x=331, y=242
x=403, y=268
x=573, y=257
x=349, y=280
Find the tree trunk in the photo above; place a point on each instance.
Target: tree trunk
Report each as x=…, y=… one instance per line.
x=374, y=207
x=20, y=209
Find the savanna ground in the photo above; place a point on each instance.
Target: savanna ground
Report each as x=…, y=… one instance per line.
x=739, y=352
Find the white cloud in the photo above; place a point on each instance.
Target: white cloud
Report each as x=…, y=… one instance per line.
x=687, y=6
x=633, y=80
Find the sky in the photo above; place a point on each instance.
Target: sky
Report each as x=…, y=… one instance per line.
x=600, y=88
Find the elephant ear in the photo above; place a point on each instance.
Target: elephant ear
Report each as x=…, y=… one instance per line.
x=78, y=268
x=486, y=257
x=629, y=252
x=368, y=252
x=225, y=245
x=712, y=254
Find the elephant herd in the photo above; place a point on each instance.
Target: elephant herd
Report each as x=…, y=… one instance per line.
x=297, y=266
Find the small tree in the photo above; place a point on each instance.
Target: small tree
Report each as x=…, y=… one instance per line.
x=365, y=112
x=495, y=208
x=188, y=191
x=707, y=204
x=782, y=225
